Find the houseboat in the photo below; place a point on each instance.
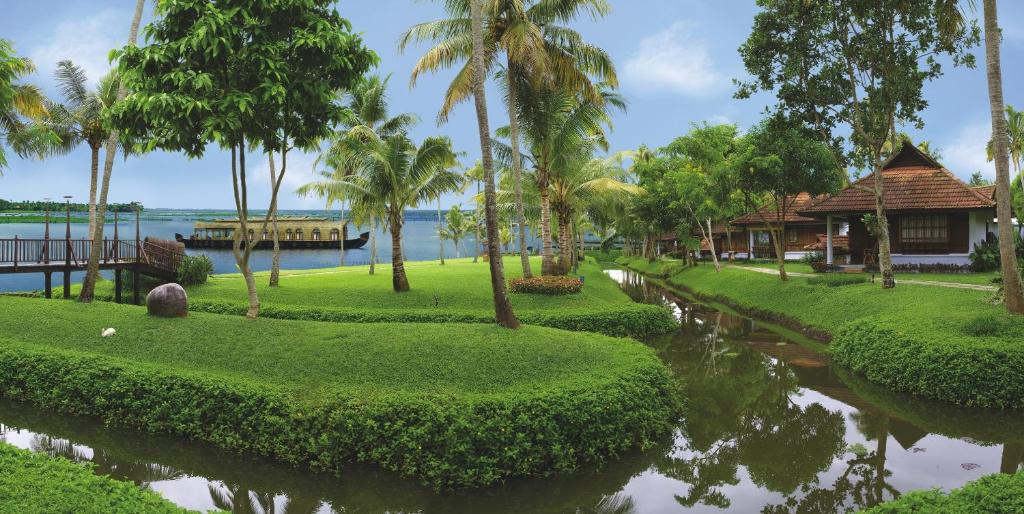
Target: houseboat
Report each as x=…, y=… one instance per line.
x=294, y=232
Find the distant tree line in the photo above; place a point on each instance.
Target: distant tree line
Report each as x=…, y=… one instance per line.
x=42, y=205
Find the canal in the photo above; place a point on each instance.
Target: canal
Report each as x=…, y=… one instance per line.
x=770, y=427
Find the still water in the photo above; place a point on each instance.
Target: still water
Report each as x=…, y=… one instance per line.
x=419, y=240
x=771, y=427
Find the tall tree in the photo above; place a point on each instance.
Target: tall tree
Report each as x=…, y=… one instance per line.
x=536, y=46
x=502, y=308
x=79, y=119
x=1012, y=287
x=92, y=269
x=860, y=65
x=1015, y=145
x=782, y=159
x=264, y=72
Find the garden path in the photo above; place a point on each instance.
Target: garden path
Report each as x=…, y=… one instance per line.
x=951, y=285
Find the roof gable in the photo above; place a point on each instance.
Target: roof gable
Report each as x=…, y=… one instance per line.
x=910, y=156
x=794, y=204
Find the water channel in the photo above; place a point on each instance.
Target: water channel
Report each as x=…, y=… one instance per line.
x=771, y=427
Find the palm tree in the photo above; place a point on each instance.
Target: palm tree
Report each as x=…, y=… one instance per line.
x=80, y=119
x=557, y=126
x=1012, y=286
x=502, y=308
x=393, y=173
x=459, y=224
x=534, y=46
x=92, y=271
x=22, y=107
x=1015, y=144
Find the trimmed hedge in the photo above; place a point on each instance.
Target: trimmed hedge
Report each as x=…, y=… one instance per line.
x=464, y=406
x=32, y=482
x=629, y=320
x=991, y=494
x=837, y=280
x=549, y=285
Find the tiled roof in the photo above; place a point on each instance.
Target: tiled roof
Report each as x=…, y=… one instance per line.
x=838, y=243
x=986, y=191
x=912, y=181
x=907, y=188
x=795, y=204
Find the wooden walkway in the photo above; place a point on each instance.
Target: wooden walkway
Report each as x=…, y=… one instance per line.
x=48, y=256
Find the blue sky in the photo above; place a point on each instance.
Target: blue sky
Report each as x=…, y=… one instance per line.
x=676, y=60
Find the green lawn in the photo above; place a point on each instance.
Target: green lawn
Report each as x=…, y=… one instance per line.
x=417, y=398
x=31, y=482
x=960, y=278
x=949, y=344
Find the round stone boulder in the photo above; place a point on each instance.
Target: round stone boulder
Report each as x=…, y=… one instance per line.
x=167, y=301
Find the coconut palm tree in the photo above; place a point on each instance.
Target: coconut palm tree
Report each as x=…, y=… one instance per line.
x=557, y=126
x=79, y=119
x=458, y=226
x=534, y=44
x=395, y=174
x=22, y=107
x=92, y=270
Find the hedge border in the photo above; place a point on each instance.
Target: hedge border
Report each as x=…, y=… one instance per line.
x=990, y=494
x=444, y=441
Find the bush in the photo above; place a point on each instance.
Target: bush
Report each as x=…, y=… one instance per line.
x=32, y=482
x=549, y=285
x=604, y=255
x=450, y=405
x=933, y=362
x=812, y=257
x=822, y=267
x=194, y=270
x=837, y=280
x=990, y=325
x=991, y=494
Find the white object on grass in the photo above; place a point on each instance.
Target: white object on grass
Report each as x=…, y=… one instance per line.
x=107, y=332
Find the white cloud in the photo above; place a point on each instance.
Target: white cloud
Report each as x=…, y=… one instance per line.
x=86, y=42
x=966, y=154
x=299, y=173
x=674, y=60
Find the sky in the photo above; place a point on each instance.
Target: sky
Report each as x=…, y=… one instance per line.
x=676, y=60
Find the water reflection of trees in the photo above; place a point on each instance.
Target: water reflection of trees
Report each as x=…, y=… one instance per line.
x=741, y=413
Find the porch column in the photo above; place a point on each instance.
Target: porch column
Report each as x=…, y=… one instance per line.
x=750, y=243
x=828, y=240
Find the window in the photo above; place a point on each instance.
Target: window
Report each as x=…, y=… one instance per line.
x=299, y=235
x=792, y=236
x=924, y=231
x=288, y=235
x=252, y=234
x=335, y=234
x=266, y=234
x=316, y=234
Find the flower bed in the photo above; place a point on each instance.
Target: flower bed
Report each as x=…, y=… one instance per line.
x=549, y=285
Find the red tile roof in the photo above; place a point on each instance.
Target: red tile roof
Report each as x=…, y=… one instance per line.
x=795, y=204
x=912, y=181
x=986, y=191
x=839, y=243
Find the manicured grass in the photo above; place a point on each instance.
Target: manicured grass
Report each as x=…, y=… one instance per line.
x=984, y=279
x=919, y=339
x=452, y=405
x=459, y=291
x=791, y=267
x=991, y=494
x=31, y=482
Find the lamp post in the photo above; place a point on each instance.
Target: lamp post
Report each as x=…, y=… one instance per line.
x=46, y=234
x=67, y=247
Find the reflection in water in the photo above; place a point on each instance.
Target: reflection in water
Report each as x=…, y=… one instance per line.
x=771, y=427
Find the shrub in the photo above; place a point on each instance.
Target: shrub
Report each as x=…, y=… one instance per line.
x=985, y=256
x=549, y=285
x=990, y=494
x=450, y=405
x=812, y=257
x=822, y=267
x=604, y=255
x=194, y=270
x=930, y=268
x=837, y=280
x=990, y=325
x=32, y=482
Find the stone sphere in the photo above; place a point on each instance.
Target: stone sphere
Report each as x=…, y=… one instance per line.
x=168, y=301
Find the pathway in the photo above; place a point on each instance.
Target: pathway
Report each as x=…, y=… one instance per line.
x=951, y=285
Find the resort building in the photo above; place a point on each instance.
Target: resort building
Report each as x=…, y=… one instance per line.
x=801, y=235
x=934, y=217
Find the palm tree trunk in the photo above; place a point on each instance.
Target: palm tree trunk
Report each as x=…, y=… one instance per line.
x=275, y=259
x=517, y=173
x=1011, y=275
x=564, y=244
x=440, y=240
x=342, y=236
x=94, y=170
x=547, y=256
x=502, y=308
x=373, y=242
x=92, y=270
x=476, y=241
x=399, y=281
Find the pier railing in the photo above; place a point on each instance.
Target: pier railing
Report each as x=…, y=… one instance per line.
x=75, y=253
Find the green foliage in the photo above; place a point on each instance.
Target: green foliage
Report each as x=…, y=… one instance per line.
x=194, y=270
x=837, y=279
x=609, y=255
x=22, y=106
x=990, y=494
x=32, y=482
x=910, y=339
x=56, y=208
x=451, y=405
x=549, y=285
x=985, y=256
